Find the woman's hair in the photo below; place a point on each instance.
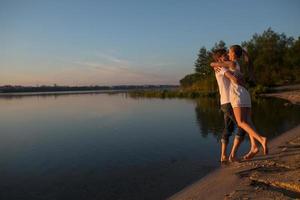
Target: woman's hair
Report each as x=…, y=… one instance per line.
x=218, y=53
x=239, y=52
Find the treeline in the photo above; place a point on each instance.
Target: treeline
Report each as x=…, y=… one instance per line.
x=56, y=88
x=276, y=60
x=167, y=93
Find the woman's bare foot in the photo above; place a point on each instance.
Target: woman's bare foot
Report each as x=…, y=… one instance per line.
x=233, y=159
x=251, y=153
x=224, y=159
x=265, y=145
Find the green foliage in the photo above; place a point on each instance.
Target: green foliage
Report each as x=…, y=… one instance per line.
x=258, y=89
x=198, y=82
x=190, y=79
x=292, y=56
x=170, y=94
x=275, y=57
x=204, y=77
x=202, y=62
x=219, y=45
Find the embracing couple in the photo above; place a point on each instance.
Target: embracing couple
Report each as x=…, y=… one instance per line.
x=235, y=102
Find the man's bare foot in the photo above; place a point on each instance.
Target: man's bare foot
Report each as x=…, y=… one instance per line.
x=251, y=153
x=265, y=145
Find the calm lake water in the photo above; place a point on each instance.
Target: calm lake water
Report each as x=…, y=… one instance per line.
x=104, y=146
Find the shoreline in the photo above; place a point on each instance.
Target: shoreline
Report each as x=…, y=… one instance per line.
x=60, y=92
x=274, y=175
x=290, y=93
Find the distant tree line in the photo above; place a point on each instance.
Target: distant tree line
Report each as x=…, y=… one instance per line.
x=57, y=88
x=276, y=60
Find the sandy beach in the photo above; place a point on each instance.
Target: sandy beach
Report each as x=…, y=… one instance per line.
x=275, y=176
x=290, y=93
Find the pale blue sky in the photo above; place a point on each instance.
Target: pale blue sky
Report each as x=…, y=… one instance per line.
x=112, y=42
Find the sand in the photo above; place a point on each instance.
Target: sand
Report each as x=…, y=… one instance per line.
x=290, y=93
x=275, y=176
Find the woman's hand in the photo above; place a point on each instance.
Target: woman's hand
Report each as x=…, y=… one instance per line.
x=226, y=64
x=215, y=66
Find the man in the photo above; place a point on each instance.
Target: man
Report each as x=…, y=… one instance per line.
x=223, y=83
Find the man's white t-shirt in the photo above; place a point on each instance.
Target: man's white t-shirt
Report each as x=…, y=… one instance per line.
x=224, y=84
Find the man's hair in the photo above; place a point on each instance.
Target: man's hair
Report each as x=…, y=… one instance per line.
x=218, y=53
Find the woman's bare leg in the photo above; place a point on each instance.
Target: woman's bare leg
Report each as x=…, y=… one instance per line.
x=235, y=146
x=254, y=149
x=236, y=142
x=238, y=113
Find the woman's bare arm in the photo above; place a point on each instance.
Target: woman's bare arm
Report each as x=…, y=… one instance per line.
x=233, y=78
x=227, y=64
x=230, y=76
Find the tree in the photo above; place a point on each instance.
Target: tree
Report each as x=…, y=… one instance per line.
x=292, y=60
x=268, y=51
x=293, y=54
x=190, y=79
x=202, y=63
x=275, y=57
x=219, y=45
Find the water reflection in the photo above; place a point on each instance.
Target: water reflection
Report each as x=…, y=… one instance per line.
x=209, y=117
x=20, y=95
x=270, y=116
x=99, y=146
x=273, y=116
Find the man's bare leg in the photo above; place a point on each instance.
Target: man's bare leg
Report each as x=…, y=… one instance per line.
x=224, y=157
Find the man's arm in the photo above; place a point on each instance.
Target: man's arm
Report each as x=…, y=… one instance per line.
x=226, y=64
x=232, y=77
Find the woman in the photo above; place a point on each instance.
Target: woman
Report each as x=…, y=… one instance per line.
x=240, y=100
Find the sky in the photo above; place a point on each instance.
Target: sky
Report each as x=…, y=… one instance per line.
x=89, y=42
